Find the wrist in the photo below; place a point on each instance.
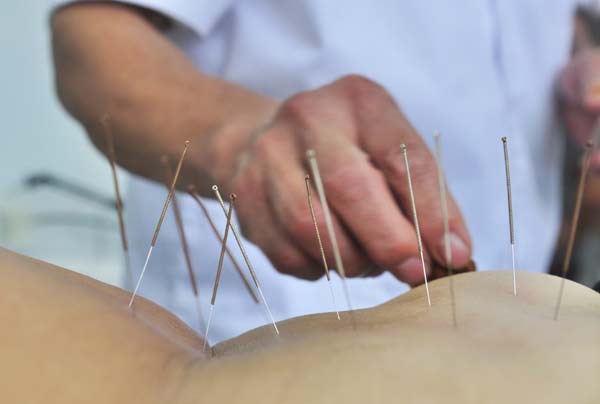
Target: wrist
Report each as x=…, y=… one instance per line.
x=228, y=140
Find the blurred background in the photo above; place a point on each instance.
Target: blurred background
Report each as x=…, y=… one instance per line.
x=56, y=189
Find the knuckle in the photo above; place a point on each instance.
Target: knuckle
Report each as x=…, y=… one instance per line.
x=364, y=91
x=356, y=82
x=302, y=108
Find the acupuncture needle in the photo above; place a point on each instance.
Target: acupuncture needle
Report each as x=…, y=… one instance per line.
x=110, y=153
x=318, y=235
x=316, y=175
x=510, y=213
x=219, y=267
x=160, y=221
x=194, y=194
x=415, y=218
x=246, y=259
x=184, y=243
x=444, y=207
x=587, y=158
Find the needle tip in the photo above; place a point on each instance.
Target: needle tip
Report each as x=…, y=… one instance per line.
x=187, y=143
x=232, y=196
x=589, y=144
x=503, y=139
x=310, y=153
x=191, y=188
x=403, y=147
x=307, y=177
x=215, y=188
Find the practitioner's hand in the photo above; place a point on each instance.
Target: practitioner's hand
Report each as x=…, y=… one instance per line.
x=356, y=130
x=579, y=91
x=353, y=124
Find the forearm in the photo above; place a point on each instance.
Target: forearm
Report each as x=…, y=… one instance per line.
x=110, y=60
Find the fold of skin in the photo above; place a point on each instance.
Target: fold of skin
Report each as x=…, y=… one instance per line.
x=69, y=339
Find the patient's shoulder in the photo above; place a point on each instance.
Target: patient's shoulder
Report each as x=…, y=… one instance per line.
x=71, y=331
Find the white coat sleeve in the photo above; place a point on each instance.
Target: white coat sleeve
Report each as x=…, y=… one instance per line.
x=199, y=16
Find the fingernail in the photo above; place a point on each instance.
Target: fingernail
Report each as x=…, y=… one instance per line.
x=460, y=251
x=411, y=271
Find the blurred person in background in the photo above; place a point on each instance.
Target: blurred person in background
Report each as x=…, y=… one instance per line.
x=254, y=84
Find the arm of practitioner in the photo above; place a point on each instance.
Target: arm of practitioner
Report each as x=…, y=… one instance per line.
x=110, y=59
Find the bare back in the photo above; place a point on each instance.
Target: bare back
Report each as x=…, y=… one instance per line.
x=69, y=339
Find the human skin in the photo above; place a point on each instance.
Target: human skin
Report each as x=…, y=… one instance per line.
x=109, y=59
x=579, y=90
x=70, y=339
